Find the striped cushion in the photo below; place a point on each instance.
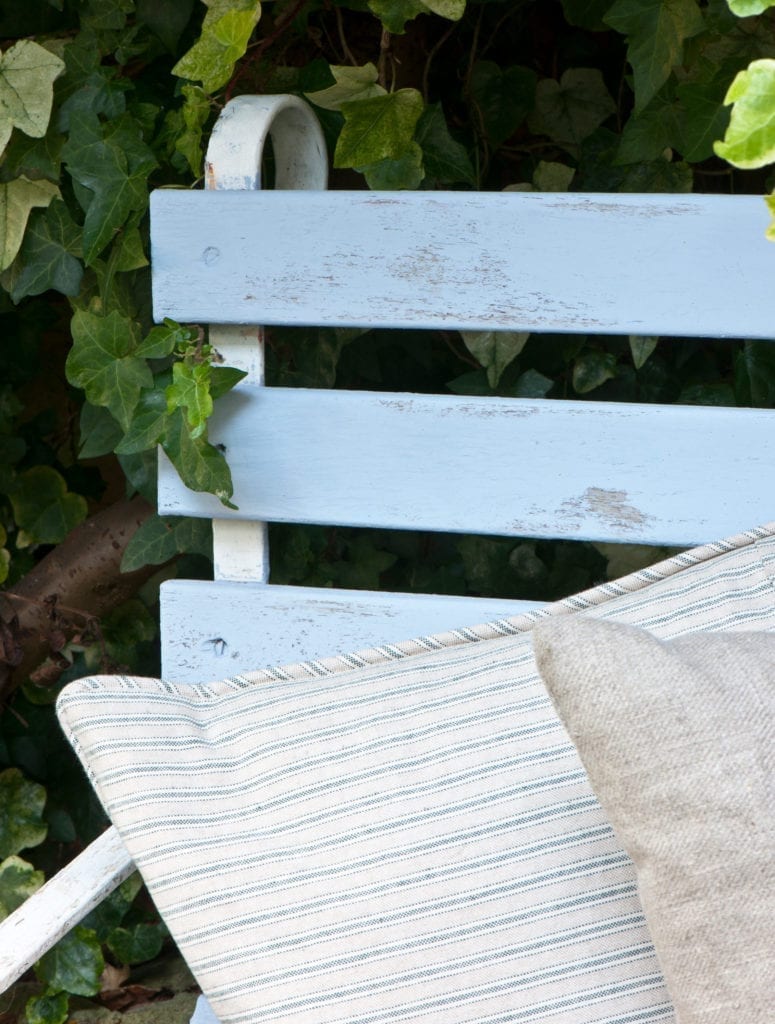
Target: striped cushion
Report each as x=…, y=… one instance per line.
x=405, y=834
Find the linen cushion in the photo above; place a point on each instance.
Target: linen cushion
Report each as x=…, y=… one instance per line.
x=678, y=740
x=405, y=834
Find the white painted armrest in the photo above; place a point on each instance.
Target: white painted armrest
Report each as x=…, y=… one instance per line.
x=60, y=904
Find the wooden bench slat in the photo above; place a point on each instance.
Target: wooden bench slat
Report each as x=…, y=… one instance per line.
x=640, y=264
x=217, y=629
x=512, y=467
x=50, y=913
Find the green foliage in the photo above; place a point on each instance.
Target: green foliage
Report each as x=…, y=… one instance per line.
x=750, y=138
x=27, y=75
x=18, y=880
x=103, y=100
x=74, y=964
x=21, y=813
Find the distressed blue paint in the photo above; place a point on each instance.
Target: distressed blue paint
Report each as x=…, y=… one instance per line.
x=679, y=265
x=216, y=629
x=586, y=470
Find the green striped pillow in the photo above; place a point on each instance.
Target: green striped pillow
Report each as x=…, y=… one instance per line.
x=404, y=834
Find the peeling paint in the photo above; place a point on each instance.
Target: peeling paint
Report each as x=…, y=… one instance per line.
x=609, y=506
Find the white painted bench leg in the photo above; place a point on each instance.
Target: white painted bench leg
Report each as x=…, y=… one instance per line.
x=203, y=1013
x=60, y=904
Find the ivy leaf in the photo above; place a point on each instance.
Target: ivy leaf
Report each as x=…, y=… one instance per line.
x=495, y=350
x=111, y=912
x=380, y=128
x=165, y=18
x=656, y=31
x=190, y=390
x=99, y=432
x=750, y=138
x=452, y=10
x=27, y=75
x=703, y=119
x=570, y=110
x=647, y=135
x=551, y=176
x=44, y=508
x=49, y=255
x=657, y=176
x=102, y=362
x=162, y=340
x=404, y=173
x=17, y=199
x=503, y=98
x=226, y=30
x=18, y=881
x=148, y=424
x=137, y=944
x=74, y=965
x=161, y=538
x=21, y=813
x=642, y=347
x=359, y=83
x=195, y=112
x=223, y=379
x=394, y=14
x=747, y=8
x=532, y=384
x=445, y=160
x=586, y=14
x=591, y=369
x=51, y=1008
x=112, y=163
x=201, y=466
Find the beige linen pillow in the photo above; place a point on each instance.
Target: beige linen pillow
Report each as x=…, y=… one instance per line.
x=677, y=740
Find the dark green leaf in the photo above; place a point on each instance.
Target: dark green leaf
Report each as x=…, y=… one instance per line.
x=223, y=379
x=48, y=256
x=656, y=31
x=755, y=375
x=111, y=912
x=153, y=543
x=137, y=944
x=532, y=384
x=642, y=347
x=21, y=813
x=48, y=1009
x=149, y=421
x=502, y=98
x=74, y=964
x=166, y=18
x=570, y=110
x=586, y=13
x=395, y=175
x=445, y=160
x=99, y=432
x=112, y=163
x=591, y=369
x=658, y=176
x=704, y=119
x=201, y=466
x=44, y=508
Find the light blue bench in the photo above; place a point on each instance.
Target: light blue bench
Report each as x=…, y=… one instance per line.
x=678, y=266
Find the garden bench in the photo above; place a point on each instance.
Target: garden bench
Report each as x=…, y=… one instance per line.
x=233, y=255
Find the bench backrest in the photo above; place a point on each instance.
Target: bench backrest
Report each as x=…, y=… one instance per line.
x=681, y=266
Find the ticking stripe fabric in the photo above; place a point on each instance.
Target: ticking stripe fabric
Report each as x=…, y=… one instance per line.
x=402, y=835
